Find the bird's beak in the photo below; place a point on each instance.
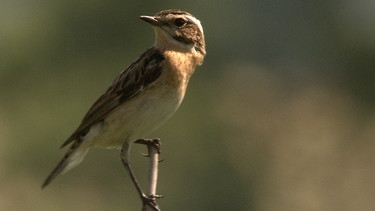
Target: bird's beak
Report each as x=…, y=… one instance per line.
x=151, y=20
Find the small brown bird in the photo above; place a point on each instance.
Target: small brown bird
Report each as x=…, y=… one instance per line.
x=145, y=94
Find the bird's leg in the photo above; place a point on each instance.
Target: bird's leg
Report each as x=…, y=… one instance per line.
x=125, y=158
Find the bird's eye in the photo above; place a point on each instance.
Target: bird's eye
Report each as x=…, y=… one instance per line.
x=179, y=22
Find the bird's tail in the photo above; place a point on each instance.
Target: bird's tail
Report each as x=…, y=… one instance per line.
x=71, y=159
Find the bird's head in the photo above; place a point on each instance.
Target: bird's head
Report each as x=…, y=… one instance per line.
x=178, y=30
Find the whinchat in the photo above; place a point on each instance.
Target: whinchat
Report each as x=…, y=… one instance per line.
x=145, y=94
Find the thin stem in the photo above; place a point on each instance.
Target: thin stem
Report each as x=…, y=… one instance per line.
x=153, y=170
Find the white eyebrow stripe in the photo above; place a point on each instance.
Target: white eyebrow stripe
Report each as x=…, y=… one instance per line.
x=192, y=19
x=196, y=21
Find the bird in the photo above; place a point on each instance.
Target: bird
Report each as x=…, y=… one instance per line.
x=144, y=95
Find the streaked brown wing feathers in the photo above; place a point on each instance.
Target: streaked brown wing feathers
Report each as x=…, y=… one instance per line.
x=132, y=81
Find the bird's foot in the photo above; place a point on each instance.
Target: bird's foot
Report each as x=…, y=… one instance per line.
x=150, y=143
x=150, y=201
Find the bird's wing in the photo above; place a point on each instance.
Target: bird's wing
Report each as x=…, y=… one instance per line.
x=132, y=81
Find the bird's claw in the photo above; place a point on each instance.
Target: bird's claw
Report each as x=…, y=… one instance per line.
x=145, y=154
x=150, y=200
x=150, y=143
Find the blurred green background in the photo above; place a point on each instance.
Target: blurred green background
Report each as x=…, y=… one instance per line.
x=280, y=117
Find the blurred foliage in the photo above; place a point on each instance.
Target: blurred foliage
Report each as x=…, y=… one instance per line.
x=280, y=117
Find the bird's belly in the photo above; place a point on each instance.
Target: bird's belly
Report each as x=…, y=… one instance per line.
x=137, y=117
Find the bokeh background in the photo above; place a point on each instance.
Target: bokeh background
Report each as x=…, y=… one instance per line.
x=280, y=117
